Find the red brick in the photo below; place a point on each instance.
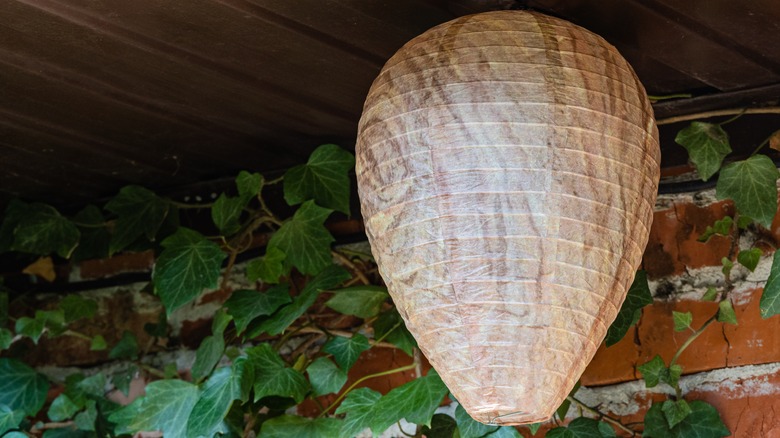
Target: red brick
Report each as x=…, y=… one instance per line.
x=120, y=263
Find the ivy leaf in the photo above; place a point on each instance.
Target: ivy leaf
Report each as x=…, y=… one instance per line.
x=43, y=268
x=226, y=213
x=682, y=320
x=559, y=432
x=728, y=265
x=6, y=338
x=126, y=348
x=220, y=322
x=325, y=377
x=638, y=296
x=249, y=185
x=244, y=305
x=305, y=239
x=76, y=307
x=749, y=258
x=328, y=278
x=219, y=392
x=702, y=422
x=122, y=379
x=751, y=183
x=14, y=213
x=675, y=411
x=189, y=264
x=710, y=295
x=95, y=238
x=770, y=298
x=721, y=227
x=165, y=407
x=158, y=329
x=21, y=388
x=44, y=230
x=469, y=428
x=208, y=355
x=86, y=419
x=346, y=350
x=80, y=388
x=534, y=427
x=139, y=213
x=707, y=145
x=267, y=268
x=583, y=427
x=293, y=426
x=272, y=377
x=9, y=419
x=415, y=401
x=30, y=327
x=361, y=301
x=62, y=408
x=324, y=178
x=744, y=221
x=442, y=426
x=62, y=432
x=98, y=343
x=726, y=312
x=358, y=406
x=653, y=371
x=390, y=327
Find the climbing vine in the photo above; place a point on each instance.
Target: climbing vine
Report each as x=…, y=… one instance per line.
x=268, y=351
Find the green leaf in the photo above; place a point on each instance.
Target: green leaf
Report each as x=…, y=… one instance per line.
x=159, y=329
x=346, y=350
x=682, y=320
x=139, y=213
x=534, y=427
x=165, y=407
x=331, y=276
x=30, y=327
x=721, y=227
x=208, y=355
x=415, y=401
x=563, y=409
x=244, y=305
x=358, y=406
x=86, y=419
x=249, y=185
x=749, y=258
x=442, y=426
x=64, y=432
x=76, y=307
x=469, y=428
x=21, y=388
x=267, y=268
x=6, y=338
x=710, y=295
x=219, y=392
x=744, y=221
x=95, y=238
x=390, y=327
x=9, y=419
x=189, y=264
x=770, y=299
x=44, y=231
x=702, y=422
x=14, y=213
x=726, y=312
x=293, y=426
x=707, y=145
x=583, y=427
x=272, y=377
x=122, y=379
x=361, y=301
x=675, y=411
x=220, y=322
x=325, y=377
x=226, y=213
x=305, y=239
x=653, y=371
x=728, y=265
x=638, y=296
x=98, y=343
x=752, y=185
x=324, y=178
x=126, y=348
x=62, y=408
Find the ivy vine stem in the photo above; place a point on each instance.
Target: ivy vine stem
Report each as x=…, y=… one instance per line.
x=363, y=379
x=717, y=113
x=692, y=338
x=348, y=263
x=761, y=146
x=601, y=415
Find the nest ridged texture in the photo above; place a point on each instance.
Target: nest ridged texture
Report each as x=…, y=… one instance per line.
x=507, y=167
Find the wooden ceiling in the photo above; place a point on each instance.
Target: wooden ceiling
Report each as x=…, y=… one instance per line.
x=97, y=94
